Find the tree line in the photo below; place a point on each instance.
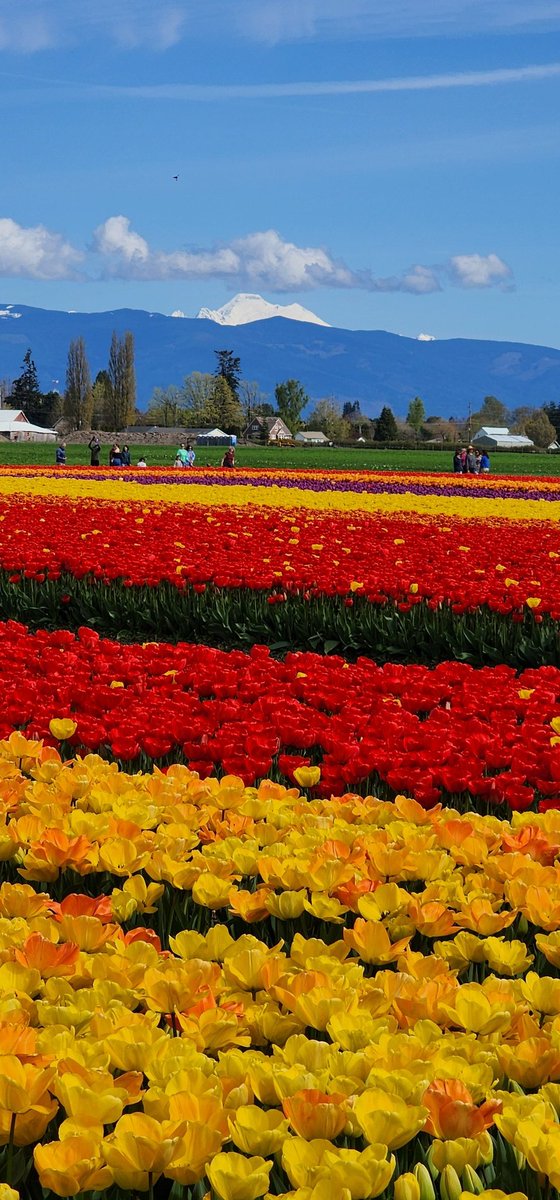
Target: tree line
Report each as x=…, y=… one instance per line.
x=108, y=402
x=227, y=400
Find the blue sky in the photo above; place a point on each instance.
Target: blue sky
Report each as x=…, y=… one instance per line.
x=389, y=164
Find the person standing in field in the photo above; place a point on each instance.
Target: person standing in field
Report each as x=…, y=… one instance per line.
x=94, y=446
x=484, y=463
x=125, y=456
x=229, y=457
x=457, y=462
x=61, y=455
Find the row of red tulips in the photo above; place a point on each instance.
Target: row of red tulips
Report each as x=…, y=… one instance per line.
x=488, y=734
x=500, y=564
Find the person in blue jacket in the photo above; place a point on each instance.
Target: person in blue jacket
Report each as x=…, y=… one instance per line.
x=61, y=455
x=484, y=463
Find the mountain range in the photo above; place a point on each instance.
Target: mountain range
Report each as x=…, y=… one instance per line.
x=371, y=366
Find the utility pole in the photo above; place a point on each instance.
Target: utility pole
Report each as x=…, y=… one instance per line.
x=469, y=423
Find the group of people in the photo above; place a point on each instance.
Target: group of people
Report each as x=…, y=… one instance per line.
x=120, y=456
x=469, y=461
x=185, y=456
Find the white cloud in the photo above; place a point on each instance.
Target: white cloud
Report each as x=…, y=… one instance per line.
x=480, y=271
x=36, y=253
x=25, y=33
x=189, y=92
x=128, y=23
x=266, y=261
x=260, y=259
x=277, y=20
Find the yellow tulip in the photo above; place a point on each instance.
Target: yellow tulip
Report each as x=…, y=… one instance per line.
x=473, y=1011
x=195, y=1149
x=72, y=1166
x=255, y=1131
x=211, y=892
x=370, y=940
x=461, y=1152
x=307, y=777
x=493, y=1194
x=22, y=1085
x=406, y=1187
x=234, y=1177
x=543, y=995
x=286, y=906
x=388, y=1119
x=7, y=1192
x=140, y=1149
x=62, y=728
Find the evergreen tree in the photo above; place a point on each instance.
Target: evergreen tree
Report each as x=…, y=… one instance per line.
x=229, y=368
x=386, y=429
x=416, y=414
x=121, y=397
x=26, y=393
x=78, y=396
x=291, y=399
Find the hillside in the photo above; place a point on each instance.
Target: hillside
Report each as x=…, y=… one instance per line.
x=371, y=366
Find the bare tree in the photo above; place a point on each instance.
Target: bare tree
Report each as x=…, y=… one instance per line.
x=78, y=395
x=121, y=394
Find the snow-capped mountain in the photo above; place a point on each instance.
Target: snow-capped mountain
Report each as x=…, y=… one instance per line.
x=425, y=337
x=245, y=308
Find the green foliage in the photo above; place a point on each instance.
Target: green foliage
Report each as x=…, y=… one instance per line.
x=229, y=368
x=41, y=408
x=327, y=417
x=416, y=414
x=236, y=617
x=553, y=413
x=386, y=429
x=492, y=413
x=540, y=429
x=78, y=395
x=228, y=409
x=166, y=408
x=291, y=399
x=198, y=399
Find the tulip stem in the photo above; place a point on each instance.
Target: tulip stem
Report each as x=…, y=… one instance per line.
x=150, y=1185
x=10, y=1158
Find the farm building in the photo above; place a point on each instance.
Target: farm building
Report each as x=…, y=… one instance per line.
x=15, y=427
x=490, y=438
x=312, y=437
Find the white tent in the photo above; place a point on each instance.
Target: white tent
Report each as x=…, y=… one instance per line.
x=493, y=437
x=16, y=428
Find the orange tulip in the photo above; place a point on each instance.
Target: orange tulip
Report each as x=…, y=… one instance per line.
x=452, y=1112
x=314, y=1114
x=49, y=959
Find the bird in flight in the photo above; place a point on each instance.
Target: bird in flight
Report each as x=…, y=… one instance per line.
x=176, y=177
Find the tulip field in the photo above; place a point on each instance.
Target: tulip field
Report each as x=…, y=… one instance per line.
x=280, y=848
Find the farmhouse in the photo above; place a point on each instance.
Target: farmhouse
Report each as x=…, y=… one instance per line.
x=267, y=429
x=15, y=427
x=491, y=438
x=312, y=437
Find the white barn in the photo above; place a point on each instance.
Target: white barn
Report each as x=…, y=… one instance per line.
x=15, y=427
x=498, y=437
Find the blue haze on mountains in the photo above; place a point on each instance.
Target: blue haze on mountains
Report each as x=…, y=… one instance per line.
x=371, y=366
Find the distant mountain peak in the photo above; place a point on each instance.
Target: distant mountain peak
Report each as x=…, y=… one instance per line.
x=245, y=308
x=425, y=337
